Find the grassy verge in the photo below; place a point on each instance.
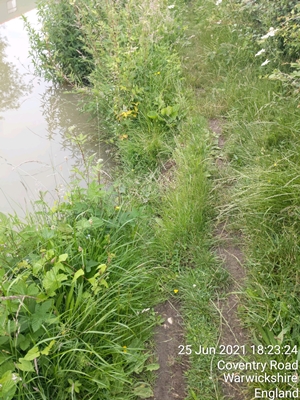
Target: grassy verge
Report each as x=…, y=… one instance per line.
x=261, y=117
x=78, y=279
x=75, y=280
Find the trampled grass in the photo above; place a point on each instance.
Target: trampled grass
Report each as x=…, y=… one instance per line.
x=262, y=140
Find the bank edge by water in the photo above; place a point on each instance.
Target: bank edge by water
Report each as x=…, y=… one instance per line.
x=37, y=123
x=94, y=251
x=175, y=251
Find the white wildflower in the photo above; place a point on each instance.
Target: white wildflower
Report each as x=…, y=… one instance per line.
x=265, y=63
x=15, y=378
x=194, y=285
x=271, y=32
x=143, y=311
x=218, y=2
x=260, y=52
x=171, y=6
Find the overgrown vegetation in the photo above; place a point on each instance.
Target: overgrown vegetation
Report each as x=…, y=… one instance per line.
x=132, y=72
x=78, y=279
x=244, y=66
x=73, y=283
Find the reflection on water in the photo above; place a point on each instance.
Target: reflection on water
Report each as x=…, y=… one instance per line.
x=10, y=9
x=35, y=152
x=12, y=85
x=60, y=110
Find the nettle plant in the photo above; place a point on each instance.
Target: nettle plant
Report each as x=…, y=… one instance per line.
x=122, y=56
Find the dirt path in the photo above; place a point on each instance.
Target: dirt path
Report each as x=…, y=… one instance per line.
x=170, y=383
x=229, y=251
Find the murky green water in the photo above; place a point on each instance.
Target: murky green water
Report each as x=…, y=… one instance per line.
x=35, y=153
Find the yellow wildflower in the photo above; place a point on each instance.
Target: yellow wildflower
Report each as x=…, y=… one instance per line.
x=176, y=291
x=124, y=349
x=122, y=137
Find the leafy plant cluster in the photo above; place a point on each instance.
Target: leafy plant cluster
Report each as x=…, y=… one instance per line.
x=76, y=287
x=276, y=29
x=122, y=56
x=58, y=49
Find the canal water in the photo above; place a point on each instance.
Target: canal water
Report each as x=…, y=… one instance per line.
x=36, y=155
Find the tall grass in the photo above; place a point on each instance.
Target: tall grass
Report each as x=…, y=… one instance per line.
x=262, y=130
x=74, y=286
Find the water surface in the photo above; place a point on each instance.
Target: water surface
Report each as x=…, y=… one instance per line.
x=35, y=118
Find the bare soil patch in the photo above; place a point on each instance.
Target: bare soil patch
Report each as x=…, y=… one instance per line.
x=229, y=251
x=170, y=382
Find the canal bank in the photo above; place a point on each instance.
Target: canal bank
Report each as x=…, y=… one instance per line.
x=37, y=155
x=94, y=266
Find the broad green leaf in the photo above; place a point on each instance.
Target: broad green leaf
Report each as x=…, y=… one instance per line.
x=95, y=222
x=37, y=267
x=32, y=290
x=3, y=339
x=53, y=281
x=41, y=297
x=77, y=274
x=6, y=365
x=90, y=264
x=65, y=228
x=92, y=281
x=24, y=264
x=102, y=268
x=44, y=308
x=152, y=367
x=83, y=224
x=143, y=391
x=8, y=384
x=24, y=344
x=281, y=334
x=47, y=349
x=152, y=115
x=62, y=257
x=47, y=234
x=40, y=314
x=103, y=283
x=25, y=365
x=49, y=254
x=32, y=354
x=166, y=111
x=36, y=321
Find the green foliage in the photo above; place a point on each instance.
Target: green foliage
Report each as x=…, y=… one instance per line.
x=58, y=49
x=275, y=26
x=257, y=184
x=127, y=56
x=72, y=289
